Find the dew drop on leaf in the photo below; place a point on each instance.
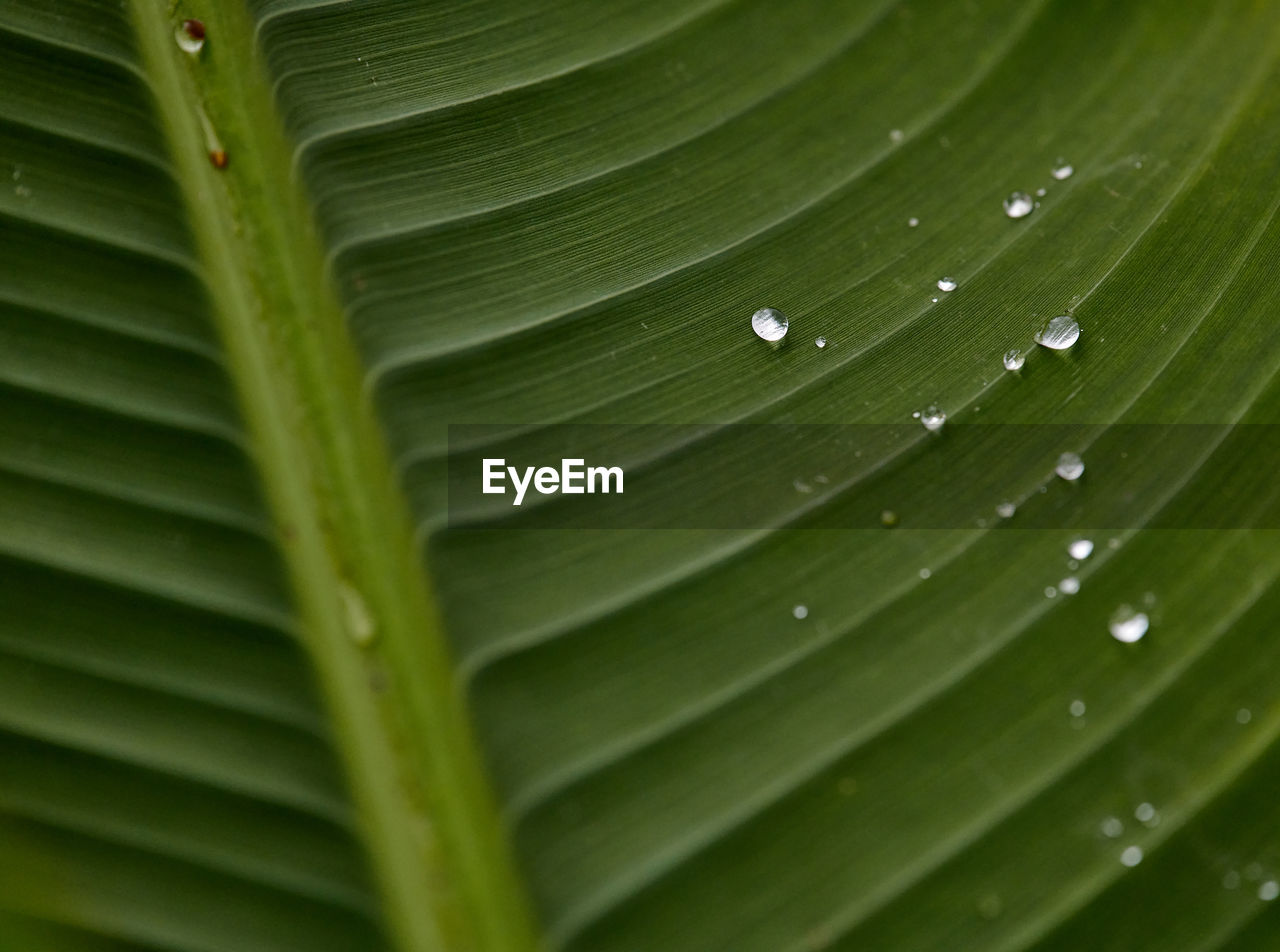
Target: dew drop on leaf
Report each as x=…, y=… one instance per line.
x=1080, y=549
x=1269, y=890
x=933, y=418
x=189, y=35
x=1131, y=856
x=1070, y=467
x=1128, y=625
x=1014, y=359
x=1077, y=709
x=769, y=324
x=946, y=284
x=1018, y=205
x=1069, y=585
x=820, y=343
x=1006, y=510
x=800, y=611
x=1062, y=170
x=1112, y=828
x=1060, y=333
x=913, y=222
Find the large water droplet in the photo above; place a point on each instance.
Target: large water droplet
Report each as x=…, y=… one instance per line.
x=1131, y=856
x=1070, y=467
x=190, y=36
x=1069, y=585
x=770, y=324
x=933, y=418
x=1080, y=549
x=1062, y=170
x=1128, y=625
x=1060, y=333
x=1014, y=359
x=820, y=343
x=946, y=284
x=1019, y=205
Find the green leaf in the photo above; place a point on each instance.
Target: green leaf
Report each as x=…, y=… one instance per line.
x=259, y=691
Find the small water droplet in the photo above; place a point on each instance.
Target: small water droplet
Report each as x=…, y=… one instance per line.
x=1269, y=890
x=932, y=418
x=1062, y=170
x=1112, y=828
x=1244, y=716
x=1069, y=585
x=1080, y=549
x=888, y=518
x=896, y=136
x=820, y=343
x=1018, y=205
x=913, y=222
x=1070, y=467
x=946, y=284
x=1146, y=814
x=801, y=486
x=800, y=612
x=189, y=35
x=359, y=623
x=1131, y=856
x=1231, y=880
x=1041, y=193
x=1006, y=510
x=1060, y=333
x=770, y=324
x=1077, y=709
x=1050, y=592
x=934, y=300
x=925, y=573
x=1128, y=625
x=1014, y=359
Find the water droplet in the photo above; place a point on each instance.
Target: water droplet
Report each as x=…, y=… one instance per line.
x=1127, y=625
x=820, y=343
x=1269, y=890
x=1060, y=333
x=1070, y=467
x=888, y=518
x=896, y=136
x=359, y=622
x=1146, y=814
x=925, y=573
x=1006, y=510
x=1014, y=359
x=1077, y=709
x=1050, y=592
x=190, y=36
x=1112, y=828
x=1018, y=205
x=1244, y=716
x=1231, y=880
x=1069, y=585
x=1080, y=549
x=913, y=222
x=1131, y=856
x=946, y=284
x=1041, y=193
x=1062, y=170
x=770, y=324
x=800, y=611
x=933, y=418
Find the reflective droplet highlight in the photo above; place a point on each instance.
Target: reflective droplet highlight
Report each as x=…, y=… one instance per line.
x=1070, y=467
x=820, y=343
x=913, y=222
x=1131, y=856
x=1077, y=709
x=1014, y=359
x=932, y=418
x=190, y=36
x=1062, y=170
x=1060, y=333
x=1069, y=585
x=1269, y=890
x=1006, y=510
x=1080, y=549
x=800, y=612
x=1128, y=625
x=1019, y=205
x=946, y=284
x=770, y=324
